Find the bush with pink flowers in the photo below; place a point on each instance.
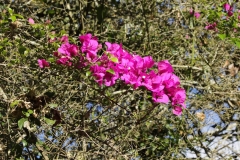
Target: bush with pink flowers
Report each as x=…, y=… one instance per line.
x=124, y=79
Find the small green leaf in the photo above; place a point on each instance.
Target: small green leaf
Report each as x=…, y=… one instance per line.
x=219, y=14
x=13, y=18
x=51, y=12
x=111, y=71
x=30, y=111
x=10, y=11
x=114, y=59
x=237, y=44
x=19, y=16
x=24, y=143
x=40, y=143
x=51, y=59
x=26, y=114
x=62, y=32
x=21, y=49
x=49, y=121
x=14, y=103
x=21, y=122
x=88, y=73
x=222, y=36
x=53, y=105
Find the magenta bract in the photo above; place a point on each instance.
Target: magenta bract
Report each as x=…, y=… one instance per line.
x=42, y=63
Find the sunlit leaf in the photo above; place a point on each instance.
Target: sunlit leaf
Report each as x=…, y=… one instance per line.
x=14, y=103
x=21, y=122
x=49, y=121
x=111, y=71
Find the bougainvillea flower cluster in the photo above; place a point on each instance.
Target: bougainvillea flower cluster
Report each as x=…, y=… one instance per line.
x=117, y=64
x=195, y=14
x=228, y=8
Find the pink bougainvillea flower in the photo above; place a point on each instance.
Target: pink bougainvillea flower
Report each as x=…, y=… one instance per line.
x=51, y=40
x=89, y=46
x=64, y=39
x=110, y=79
x=178, y=96
x=170, y=80
x=160, y=97
x=230, y=13
x=68, y=49
x=125, y=65
x=164, y=66
x=141, y=77
x=191, y=11
x=156, y=85
x=138, y=62
x=196, y=14
x=99, y=73
x=177, y=110
x=47, y=22
x=129, y=78
x=42, y=63
x=227, y=7
x=211, y=26
x=113, y=48
x=148, y=62
x=64, y=61
x=31, y=21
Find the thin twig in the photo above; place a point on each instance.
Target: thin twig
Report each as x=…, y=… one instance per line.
x=185, y=66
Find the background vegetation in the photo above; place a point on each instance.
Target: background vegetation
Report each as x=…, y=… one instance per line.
x=60, y=113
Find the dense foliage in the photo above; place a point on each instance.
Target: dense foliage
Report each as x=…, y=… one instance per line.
x=57, y=112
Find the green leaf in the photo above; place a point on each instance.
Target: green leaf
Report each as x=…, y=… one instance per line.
x=114, y=59
x=111, y=71
x=26, y=114
x=88, y=73
x=42, y=32
x=51, y=12
x=21, y=49
x=21, y=122
x=49, y=121
x=14, y=103
x=237, y=43
x=222, y=36
x=50, y=59
x=30, y=111
x=62, y=32
x=10, y=11
x=53, y=105
x=219, y=14
x=24, y=142
x=19, y=16
x=13, y=18
x=40, y=143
